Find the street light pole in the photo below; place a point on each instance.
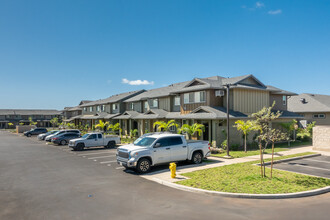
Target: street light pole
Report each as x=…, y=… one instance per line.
x=227, y=86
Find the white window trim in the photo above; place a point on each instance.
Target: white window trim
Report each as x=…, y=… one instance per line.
x=187, y=95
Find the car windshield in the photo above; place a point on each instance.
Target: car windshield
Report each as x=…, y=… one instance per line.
x=144, y=142
x=85, y=136
x=52, y=132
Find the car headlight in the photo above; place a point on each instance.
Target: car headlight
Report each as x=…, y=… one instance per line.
x=133, y=154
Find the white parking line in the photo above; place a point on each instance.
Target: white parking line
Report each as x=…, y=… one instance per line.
x=86, y=154
x=91, y=158
x=112, y=161
x=318, y=168
x=118, y=168
x=321, y=161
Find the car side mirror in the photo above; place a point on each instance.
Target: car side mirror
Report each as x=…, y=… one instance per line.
x=157, y=145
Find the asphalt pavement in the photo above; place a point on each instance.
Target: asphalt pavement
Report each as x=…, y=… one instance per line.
x=39, y=181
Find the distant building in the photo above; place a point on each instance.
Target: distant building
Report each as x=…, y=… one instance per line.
x=312, y=107
x=17, y=116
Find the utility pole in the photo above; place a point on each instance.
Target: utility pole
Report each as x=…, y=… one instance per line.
x=227, y=86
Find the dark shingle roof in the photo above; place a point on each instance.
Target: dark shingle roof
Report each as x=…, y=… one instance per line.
x=309, y=103
x=29, y=112
x=114, y=98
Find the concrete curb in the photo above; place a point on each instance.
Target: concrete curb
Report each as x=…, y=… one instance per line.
x=251, y=196
x=292, y=158
x=245, y=195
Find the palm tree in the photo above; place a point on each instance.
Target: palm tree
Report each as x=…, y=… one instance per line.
x=245, y=127
x=115, y=127
x=165, y=126
x=192, y=129
x=102, y=125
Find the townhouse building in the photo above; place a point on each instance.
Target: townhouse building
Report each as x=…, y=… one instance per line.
x=70, y=114
x=21, y=116
x=103, y=109
x=203, y=100
x=313, y=107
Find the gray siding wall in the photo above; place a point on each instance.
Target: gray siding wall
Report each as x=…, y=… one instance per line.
x=278, y=102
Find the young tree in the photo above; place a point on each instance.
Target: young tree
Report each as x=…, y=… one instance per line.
x=165, y=125
x=54, y=122
x=102, y=125
x=31, y=121
x=263, y=120
x=245, y=127
x=274, y=135
x=291, y=127
x=192, y=129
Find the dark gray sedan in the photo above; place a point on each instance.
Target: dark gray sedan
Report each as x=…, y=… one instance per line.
x=63, y=139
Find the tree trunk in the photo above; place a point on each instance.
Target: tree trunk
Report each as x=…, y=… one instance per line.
x=245, y=143
x=262, y=175
x=271, y=167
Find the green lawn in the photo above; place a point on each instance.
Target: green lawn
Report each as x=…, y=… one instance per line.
x=238, y=154
x=245, y=178
x=278, y=148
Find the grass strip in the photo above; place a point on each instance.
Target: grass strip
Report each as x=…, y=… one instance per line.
x=245, y=178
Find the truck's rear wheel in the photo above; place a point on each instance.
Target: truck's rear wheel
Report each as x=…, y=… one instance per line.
x=197, y=157
x=143, y=166
x=111, y=144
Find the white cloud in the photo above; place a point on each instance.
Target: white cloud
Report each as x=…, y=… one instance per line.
x=260, y=5
x=275, y=12
x=137, y=82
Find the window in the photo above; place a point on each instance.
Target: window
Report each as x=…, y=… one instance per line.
x=177, y=100
x=155, y=103
x=284, y=100
x=175, y=141
x=164, y=142
x=172, y=129
x=91, y=108
x=102, y=108
x=319, y=116
x=132, y=106
x=85, y=109
x=194, y=97
x=99, y=136
x=92, y=136
x=146, y=104
x=114, y=106
x=98, y=108
x=186, y=98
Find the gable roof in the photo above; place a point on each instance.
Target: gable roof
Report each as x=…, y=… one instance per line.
x=128, y=115
x=114, y=98
x=153, y=114
x=309, y=103
x=29, y=112
x=208, y=112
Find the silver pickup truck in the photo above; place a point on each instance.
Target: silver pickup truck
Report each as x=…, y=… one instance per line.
x=94, y=140
x=156, y=149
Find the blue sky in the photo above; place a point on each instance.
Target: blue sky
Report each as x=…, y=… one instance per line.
x=55, y=53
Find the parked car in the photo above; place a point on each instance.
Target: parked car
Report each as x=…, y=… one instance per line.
x=94, y=140
x=156, y=149
x=64, y=138
x=49, y=137
x=35, y=131
x=43, y=136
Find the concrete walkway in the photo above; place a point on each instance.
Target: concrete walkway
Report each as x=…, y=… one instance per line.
x=165, y=175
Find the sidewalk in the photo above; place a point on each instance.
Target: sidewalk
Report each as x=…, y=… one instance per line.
x=165, y=175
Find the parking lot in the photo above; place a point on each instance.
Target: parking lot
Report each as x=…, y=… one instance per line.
x=315, y=166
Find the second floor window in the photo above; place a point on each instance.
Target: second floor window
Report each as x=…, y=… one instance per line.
x=132, y=106
x=284, y=100
x=155, y=103
x=194, y=97
x=85, y=109
x=177, y=100
x=146, y=105
x=102, y=108
x=98, y=108
x=114, y=107
x=91, y=108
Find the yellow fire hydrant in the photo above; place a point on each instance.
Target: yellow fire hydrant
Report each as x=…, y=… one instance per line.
x=173, y=170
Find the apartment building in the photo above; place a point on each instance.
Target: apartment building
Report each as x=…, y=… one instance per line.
x=313, y=107
x=21, y=116
x=203, y=100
